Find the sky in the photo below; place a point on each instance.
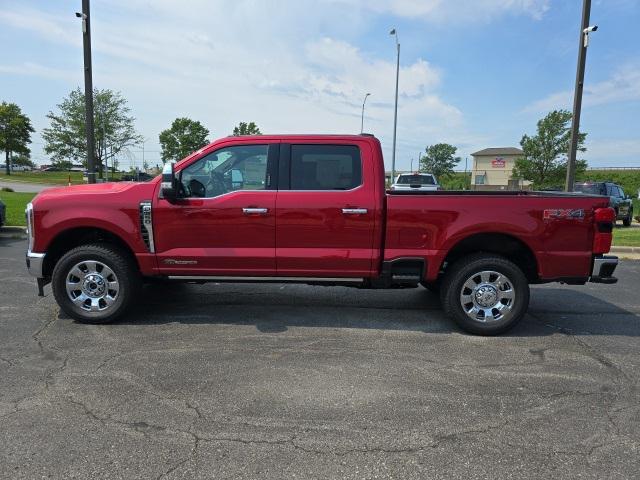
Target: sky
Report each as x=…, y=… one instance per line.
x=473, y=73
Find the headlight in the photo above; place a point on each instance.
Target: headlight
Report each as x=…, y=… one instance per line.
x=30, y=232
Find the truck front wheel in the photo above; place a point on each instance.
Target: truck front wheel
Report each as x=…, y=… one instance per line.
x=485, y=294
x=94, y=283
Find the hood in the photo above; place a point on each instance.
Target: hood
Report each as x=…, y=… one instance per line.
x=96, y=191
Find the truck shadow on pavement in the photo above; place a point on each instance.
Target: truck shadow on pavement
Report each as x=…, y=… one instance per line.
x=273, y=308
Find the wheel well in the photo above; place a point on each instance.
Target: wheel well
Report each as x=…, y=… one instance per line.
x=505, y=245
x=75, y=237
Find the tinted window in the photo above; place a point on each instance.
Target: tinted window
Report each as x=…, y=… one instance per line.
x=416, y=180
x=590, y=188
x=620, y=192
x=226, y=170
x=325, y=167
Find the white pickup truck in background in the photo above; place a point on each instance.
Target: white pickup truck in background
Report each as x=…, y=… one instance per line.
x=424, y=182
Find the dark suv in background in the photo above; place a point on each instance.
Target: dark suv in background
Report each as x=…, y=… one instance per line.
x=621, y=203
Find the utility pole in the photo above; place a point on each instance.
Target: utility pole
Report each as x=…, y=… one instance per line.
x=395, y=114
x=88, y=90
x=585, y=29
x=105, y=164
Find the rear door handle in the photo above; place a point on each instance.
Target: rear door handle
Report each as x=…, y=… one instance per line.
x=354, y=211
x=255, y=211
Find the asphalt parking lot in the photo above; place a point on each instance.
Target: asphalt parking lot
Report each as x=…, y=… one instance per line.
x=284, y=381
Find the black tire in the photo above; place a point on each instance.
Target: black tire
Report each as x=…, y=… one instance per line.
x=433, y=287
x=127, y=279
x=627, y=221
x=468, y=269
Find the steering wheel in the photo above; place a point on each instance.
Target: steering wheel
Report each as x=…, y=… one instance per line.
x=216, y=184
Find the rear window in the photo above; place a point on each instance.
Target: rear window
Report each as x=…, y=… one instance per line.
x=416, y=180
x=325, y=167
x=590, y=188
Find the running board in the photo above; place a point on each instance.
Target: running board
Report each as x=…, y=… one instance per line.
x=207, y=278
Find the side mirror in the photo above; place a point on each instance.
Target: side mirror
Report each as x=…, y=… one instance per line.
x=169, y=185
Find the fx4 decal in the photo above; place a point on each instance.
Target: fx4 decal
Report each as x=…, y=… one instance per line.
x=568, y=213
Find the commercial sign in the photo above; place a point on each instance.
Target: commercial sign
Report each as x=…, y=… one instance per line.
x=498, y=162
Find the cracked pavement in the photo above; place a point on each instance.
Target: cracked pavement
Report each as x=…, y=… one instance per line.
x=290, y=381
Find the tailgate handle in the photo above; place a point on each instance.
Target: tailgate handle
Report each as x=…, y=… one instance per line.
x=255, y=211
x=354, y=211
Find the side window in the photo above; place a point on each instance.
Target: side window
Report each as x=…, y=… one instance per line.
x=620, y=192
x=226, y=170
x=325, y=167
x=481, y=179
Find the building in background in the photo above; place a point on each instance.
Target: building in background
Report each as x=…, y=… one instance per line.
x=493, y=167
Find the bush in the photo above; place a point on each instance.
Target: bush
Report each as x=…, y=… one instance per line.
x=7, y=189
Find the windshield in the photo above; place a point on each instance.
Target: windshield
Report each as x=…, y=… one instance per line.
x=416, y=180
x=590, y=188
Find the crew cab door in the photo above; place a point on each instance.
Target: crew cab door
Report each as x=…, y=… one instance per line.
x=325, y=211
x=223, y=222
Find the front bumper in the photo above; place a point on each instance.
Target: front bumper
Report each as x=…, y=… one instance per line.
x=603, y=268
x=35, y=262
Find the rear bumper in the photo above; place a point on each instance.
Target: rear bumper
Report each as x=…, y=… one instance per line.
x=603, y=268
x=35, y=263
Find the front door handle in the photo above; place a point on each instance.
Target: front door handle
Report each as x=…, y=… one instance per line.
x=354, y=211
x=255, y=211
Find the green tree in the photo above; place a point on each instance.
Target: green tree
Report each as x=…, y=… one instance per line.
x=184, y=137
x=544, y=161
x=244, y=128
x=439, y=159
x=65, y=139
x=15, y=132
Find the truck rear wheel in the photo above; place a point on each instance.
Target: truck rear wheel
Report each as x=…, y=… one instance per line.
x=94, y=283
x=628, y=219
x=485, y=294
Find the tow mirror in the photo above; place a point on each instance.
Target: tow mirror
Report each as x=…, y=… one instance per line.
x=169, y=185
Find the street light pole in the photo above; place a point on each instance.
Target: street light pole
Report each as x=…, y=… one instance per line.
x=395, y=114
x=585, y=29
x=362, y=120
x=88, y=90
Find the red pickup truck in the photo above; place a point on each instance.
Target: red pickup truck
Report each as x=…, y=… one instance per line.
x=312, y=209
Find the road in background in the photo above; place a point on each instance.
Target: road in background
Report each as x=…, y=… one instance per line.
x=25, y=186
x=283, y=381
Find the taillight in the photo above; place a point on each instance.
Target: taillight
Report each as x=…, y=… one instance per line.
x=604, y=218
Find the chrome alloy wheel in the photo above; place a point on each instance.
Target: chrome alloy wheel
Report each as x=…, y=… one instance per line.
x=488, y=296
x=92, y=286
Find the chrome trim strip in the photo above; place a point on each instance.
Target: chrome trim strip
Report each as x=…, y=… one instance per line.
x=30, y=233
x=265, y=279
x=35, y=263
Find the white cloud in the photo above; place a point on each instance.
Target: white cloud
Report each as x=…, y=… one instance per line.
x=622, y=86
x=36, y=70
x=221, y=63
x=612, y=152
x=454, y=11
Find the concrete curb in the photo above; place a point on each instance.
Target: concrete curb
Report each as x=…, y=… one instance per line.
x=625, y=249
x=13, y=232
